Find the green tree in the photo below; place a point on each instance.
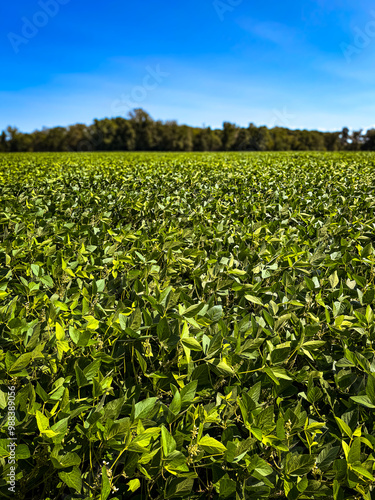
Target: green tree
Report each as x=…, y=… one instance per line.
x=229, y=135
x=144, y=127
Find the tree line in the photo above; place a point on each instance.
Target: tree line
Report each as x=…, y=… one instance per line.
x=139, y=132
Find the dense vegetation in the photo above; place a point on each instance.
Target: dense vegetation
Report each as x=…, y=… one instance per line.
x=139, y=132
x=188, y=325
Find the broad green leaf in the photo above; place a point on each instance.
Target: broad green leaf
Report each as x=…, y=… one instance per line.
x=333, y=279
x=22, y=362
x=253, y=299
x=105, y=490
x=215, y=313
x=73, y=479
x=361, y=471
x=211, y=445
x=191, y=343
x=188, y=392
x=298, y=465
x=363, y=400
x=60, y=333
x=144, y=408
x=42, y=421
x=167, y=441
x=134, y=485
x=344, y=427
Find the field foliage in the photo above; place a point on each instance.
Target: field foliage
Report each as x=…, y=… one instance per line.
x=188, y=325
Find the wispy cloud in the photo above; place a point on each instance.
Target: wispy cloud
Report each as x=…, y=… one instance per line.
x=348, y=73
x=272, y=31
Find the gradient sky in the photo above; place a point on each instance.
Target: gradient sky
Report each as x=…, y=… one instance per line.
x=301, y=64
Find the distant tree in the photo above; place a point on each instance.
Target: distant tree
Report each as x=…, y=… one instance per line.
x=313, y=140
x=143, y=126
x=260, y=138
x=369, y=140
x=332, y=141
x=206, y=139
x=53, y=139
x=242, y=141
x=229, y=135
x=139, y=132
x=282, y=139
x=125, y=136
x=13, y=137
x=187, y=138
x=3, y=142
x=169, y=136
x=356, y=140
x=77, y=139
x=344, y=138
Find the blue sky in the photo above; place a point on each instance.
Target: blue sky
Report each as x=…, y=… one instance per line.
x=300, y=64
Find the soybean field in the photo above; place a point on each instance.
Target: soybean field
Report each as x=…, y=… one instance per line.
x=187, y=325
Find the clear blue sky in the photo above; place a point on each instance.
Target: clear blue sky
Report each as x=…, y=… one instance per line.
x=302, y=64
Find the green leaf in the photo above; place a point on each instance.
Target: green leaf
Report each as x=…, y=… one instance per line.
x=145, y=408
x=42, y=421
x=302, y=484
x=135, y=320
x=298, y=465
x=61, y=305
x=226, y=487
x=254, y=300
x=224, y=368
x=188, y=392
x=215, y=313
x=134, y=485
x=333, y=279
x=193, y=310
x=80, y=376
x=92, y=369
x=176, y=462
x=167, y=442
x=175, y=405
x=363, y=400
x=179, y=487
x=270, y=372
x=361, y=471
x=344, y=427
x=355, y=451
x=327, y=456
x=163, y=330
x=92, y=323
x=106, y=485
x=35, y=269
x=22, y=362
x=62, y=346
x=369, y=315
x=22, y=452
x=191, y=343
x=367, y=251
x=260, y=466
x=72, y=479
x=370, y=388
x=46, y=280
x=211, y=445
x=142, y=362
x=60, y=333
x=280, y=355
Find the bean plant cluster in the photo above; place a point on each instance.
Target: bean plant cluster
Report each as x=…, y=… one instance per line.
x=188, y=325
